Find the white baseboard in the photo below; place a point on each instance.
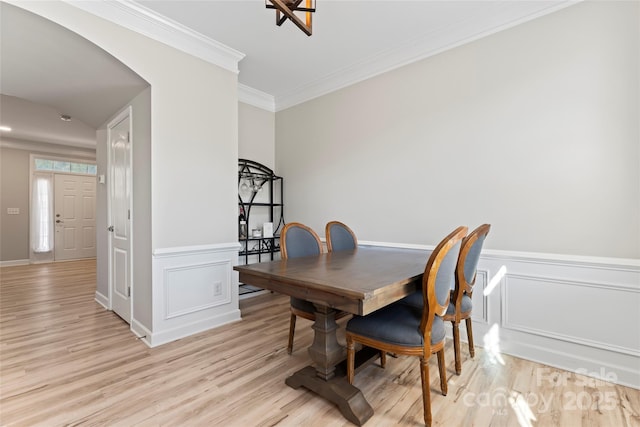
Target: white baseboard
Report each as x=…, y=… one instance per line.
x=102, y=300
x=141, y=332
x=592, y=365
x=14, y=262
x=155, y=339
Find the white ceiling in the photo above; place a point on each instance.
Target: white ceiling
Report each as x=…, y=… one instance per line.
x=352, y=40
x=47, y=71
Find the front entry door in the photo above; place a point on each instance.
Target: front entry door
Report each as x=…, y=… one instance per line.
x=120, y=215
x=75, y=216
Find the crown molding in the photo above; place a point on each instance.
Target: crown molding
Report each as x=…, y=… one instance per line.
x=160, y=28
x=257, y=98
x=140, y=19
x=421, y=48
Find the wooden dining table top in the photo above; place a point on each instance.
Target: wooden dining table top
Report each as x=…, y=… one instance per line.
x=359, y=281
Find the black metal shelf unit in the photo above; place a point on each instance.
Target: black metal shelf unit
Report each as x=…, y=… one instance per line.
x=260, y=201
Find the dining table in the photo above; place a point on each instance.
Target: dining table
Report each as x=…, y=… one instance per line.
x=357, y=281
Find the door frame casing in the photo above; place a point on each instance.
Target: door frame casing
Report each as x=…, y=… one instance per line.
x=127, y=112
x=60, y=155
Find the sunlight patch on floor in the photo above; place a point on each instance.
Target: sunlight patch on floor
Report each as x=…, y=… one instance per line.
x=522, y=410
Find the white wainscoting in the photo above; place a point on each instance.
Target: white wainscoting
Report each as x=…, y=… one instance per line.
x=581, y=314
x=194, y=289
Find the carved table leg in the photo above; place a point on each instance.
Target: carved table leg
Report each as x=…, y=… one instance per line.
x=321, y=378
x=325, y=351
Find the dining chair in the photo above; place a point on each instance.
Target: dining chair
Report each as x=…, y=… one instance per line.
x=404, y=329
x=298, y=240
x=340, y=237
x=460, y=304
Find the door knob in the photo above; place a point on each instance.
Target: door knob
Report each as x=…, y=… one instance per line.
x=58, y=221
x=110, y=228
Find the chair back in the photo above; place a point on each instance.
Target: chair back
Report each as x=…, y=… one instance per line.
x=439, y=279
x=297, y=240
x=340, y=237
x=468, y=263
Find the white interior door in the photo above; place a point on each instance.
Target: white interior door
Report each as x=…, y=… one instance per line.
x=120, y=216
x=75, y=216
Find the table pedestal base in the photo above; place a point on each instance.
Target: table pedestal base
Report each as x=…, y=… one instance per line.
x=349, y=398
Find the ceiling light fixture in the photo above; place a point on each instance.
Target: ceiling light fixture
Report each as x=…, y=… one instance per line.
x=5, y=128
x=65, y=118
x=285, y=10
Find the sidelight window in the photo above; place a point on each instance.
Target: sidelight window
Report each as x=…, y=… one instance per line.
x=42, y=203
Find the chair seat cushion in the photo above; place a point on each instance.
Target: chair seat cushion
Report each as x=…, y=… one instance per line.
x=302, y=305
x=414, y=299
x=397, y=324
x=465, y=306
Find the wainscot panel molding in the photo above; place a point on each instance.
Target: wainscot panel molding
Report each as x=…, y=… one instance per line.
x=480, y=299
x=576, y=302
x=581, y=314
x=194, y=289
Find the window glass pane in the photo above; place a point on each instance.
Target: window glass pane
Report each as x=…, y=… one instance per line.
x=79, y=167
x=42, y=204
x=59, y=166
x=62, y=166
x=44, y=164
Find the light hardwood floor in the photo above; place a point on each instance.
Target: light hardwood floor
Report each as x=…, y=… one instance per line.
x=65, y=360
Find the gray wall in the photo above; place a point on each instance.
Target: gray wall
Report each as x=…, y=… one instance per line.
x=533, y=129
x=102, y=239
x=256, y=135
x=14, y=193
x=141, y=220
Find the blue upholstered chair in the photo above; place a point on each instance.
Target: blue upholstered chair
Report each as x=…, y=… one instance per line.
x=339, y=237
x=403, y=329
x=460, y=305
x=296, y=241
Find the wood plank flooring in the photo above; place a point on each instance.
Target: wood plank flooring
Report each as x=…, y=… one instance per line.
x=66, y=361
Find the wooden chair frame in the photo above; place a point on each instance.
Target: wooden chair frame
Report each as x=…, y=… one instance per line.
x=295, y=312
x=327, y=233
x=283, y=237
x=431, y=309
x=463, y=287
